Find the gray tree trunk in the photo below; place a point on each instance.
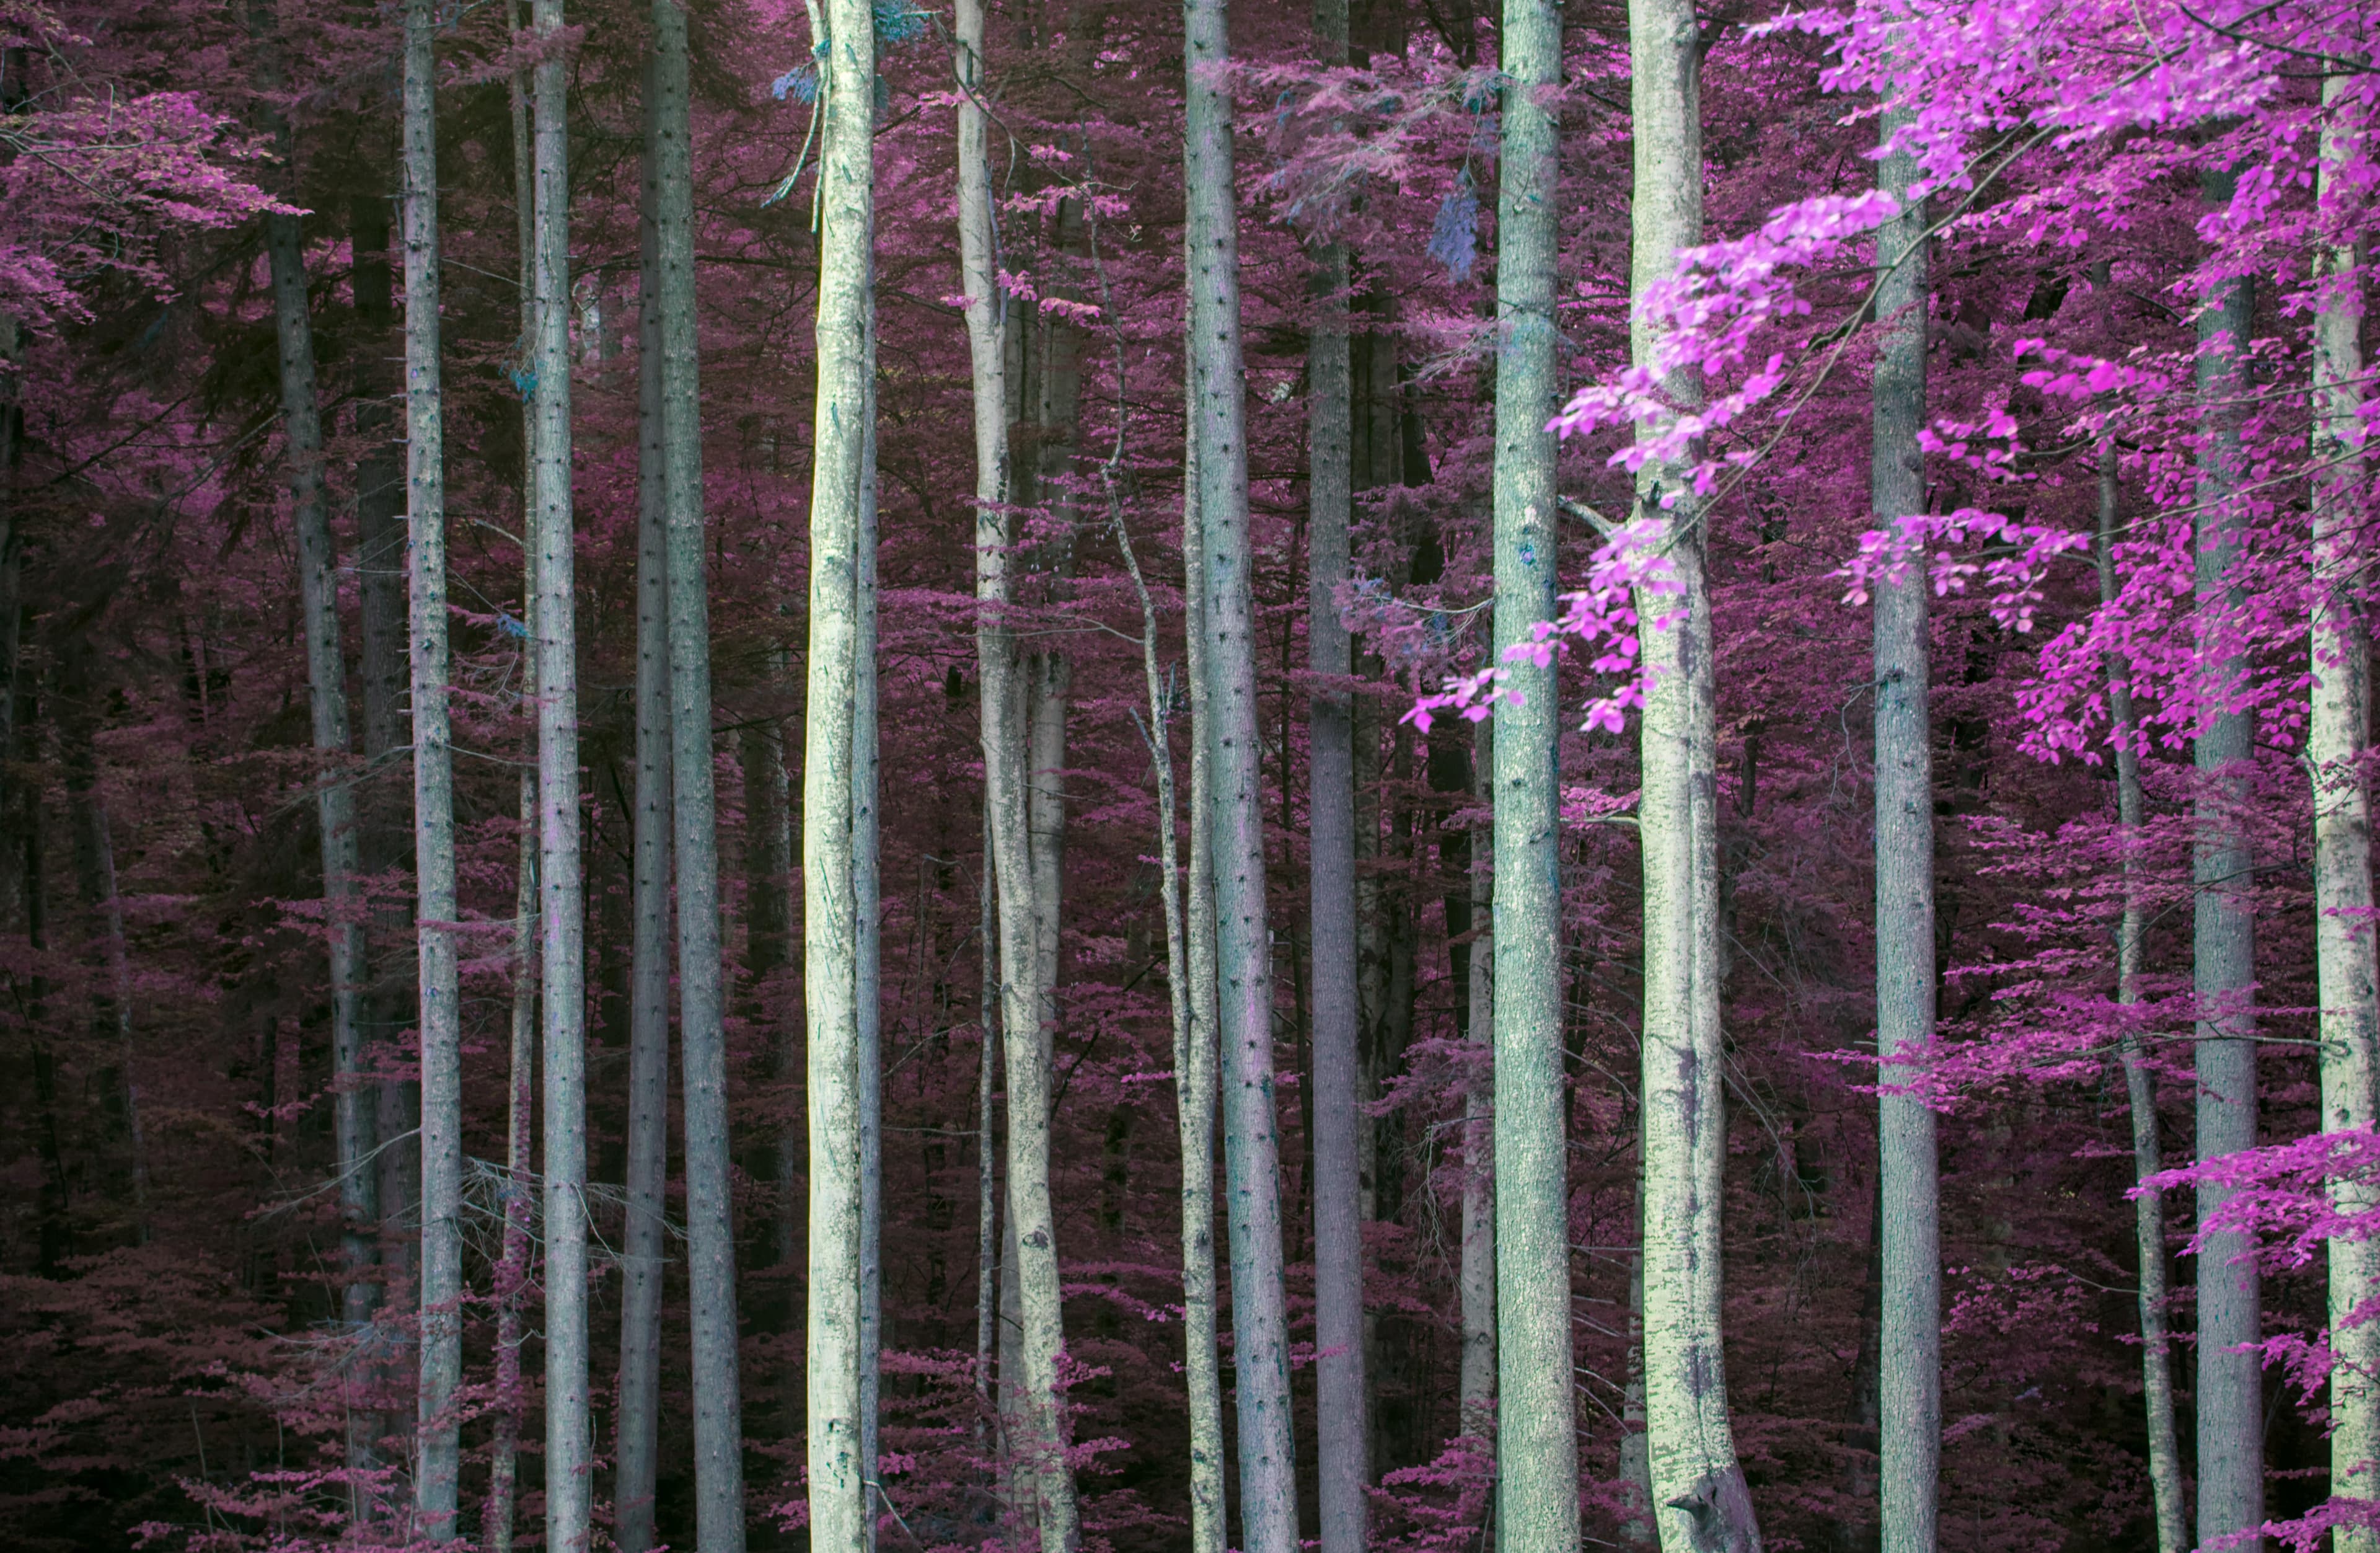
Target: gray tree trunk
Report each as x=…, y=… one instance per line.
x=1537, y=1451
x=644, y=1243
x=569, y=1456
x=437, y=1479
x=354, y=1120
x=1196, y=1064
x=1910, y=1394
x=1475, y=1388
x=709, y=1205
x=2140, y=1084
x=2336, y=747
x=987, y=1156
x=1342, y=1404
x=513, y=1270
x=2230, y=1382
x=1243, y=936
x=838, y=1476
x=867, y=884
x=1700, y=1500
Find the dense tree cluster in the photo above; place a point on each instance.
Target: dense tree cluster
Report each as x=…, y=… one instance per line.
x=1055, y=776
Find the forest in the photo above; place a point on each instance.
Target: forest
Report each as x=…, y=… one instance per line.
x=1066, y=777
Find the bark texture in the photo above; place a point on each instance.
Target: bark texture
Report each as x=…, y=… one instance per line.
x=437, y=1478
x=1536, y=1447
x=1909, y=1378
x=2338, y=736
x=569, y=1454
x=838, y=1476
x=1700, y=1501
x=2230, y=1395
x=1242, y=947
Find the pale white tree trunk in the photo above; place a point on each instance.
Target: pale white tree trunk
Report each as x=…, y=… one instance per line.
x=643, y=1248
x=437, y=1477
x=1700, y=1500
x=1037, y=1433
x=1342, y=1405
x=838, y=1476
x=1537, y=1451
x=1475, y=1394
x=1196, y=1061
x=2231, y=1375
x=2140, y=1084
x=2338, y=738
x=1242, y=931
x=867, y=885
x=569, y=1457
x=513, y=1270
x=986, y=1156
x=354, y=1116
x=1910, y=1378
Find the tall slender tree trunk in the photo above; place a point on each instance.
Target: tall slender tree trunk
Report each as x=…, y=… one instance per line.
x=1475, y=1383
x=1700, y=1500
x=709, y=1203
x=1196, y=1063
x=1536, y=1452
x=437, y=1475
x=1243, y=931
x=1910, y=1394
x=2140, y=1083
x=569, y=1460
x=353, y=1119
x=513, y=1269
x=838, y=1476
x=1342, y=1405
x=2336, y=747
x=987, y=1156
x=2230, y=1393
x=107, y=896
x=1031, y=1231
x=644, y=1243
x=867, y=886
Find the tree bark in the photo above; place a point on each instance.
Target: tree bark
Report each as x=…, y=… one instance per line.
x=438, y=1474
x=1700, y=1500
x=355, y=1119
x=569, y=1461
x=1342, y=1404
x=710, y=1204
x=1536, y=1452
x=1475, y=1393
x=867, y=884
x=838, y=1476
x=1197, y=1063
x=2140, y=1084
x=644, y=1245
x=1910, y=1391
x=2339, y=741
x=2230, y=1373
x=513, y=1269
x=987, y=1157
x=1242, y=948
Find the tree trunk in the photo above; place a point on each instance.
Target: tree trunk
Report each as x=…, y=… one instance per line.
x=2230, y=1393
x=710, y=1204
x=569, y=1460
x=1700, y=1500
x=1242, y=947
x=355, y=1119
x=1536, y=1453
x=1475, y=1394
x=644, y=1245
x=1342, y=1437
x=1031, y=1231
x=1196, y=1063
x=838, y=1476
x=987, y=1157
x=108, y=899
x=2339, y=736
x=2140, y=1084
x=1910, y=1391
x=438, y=1476
x=513, y=1270
x=867, y=884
